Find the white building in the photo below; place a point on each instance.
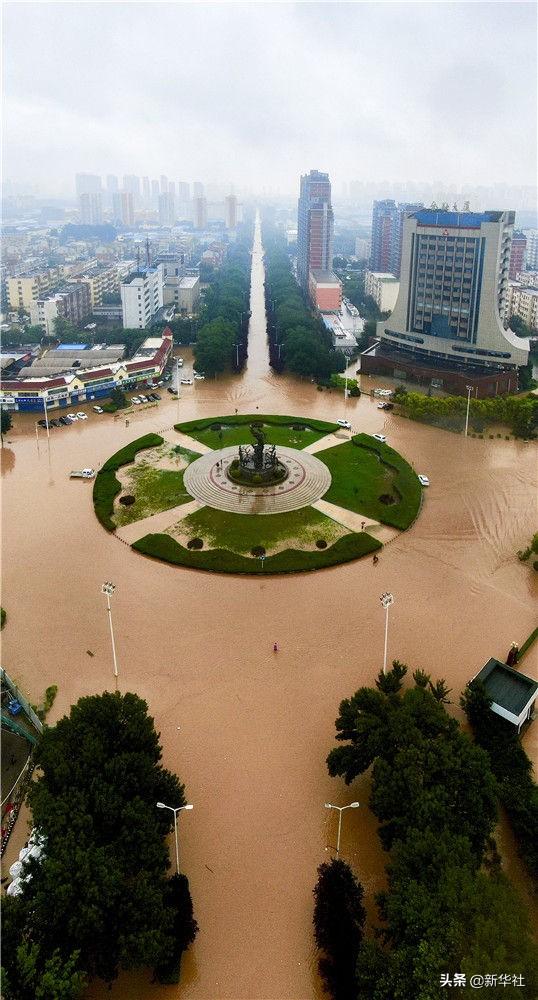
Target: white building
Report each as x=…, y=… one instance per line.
x=523, y=302
x=362, y=248
x=167, y=209
x=532, y=248
x=123, y=208
x=91, y=209
x=383, y=288
x=141, y=297
x=189, y=294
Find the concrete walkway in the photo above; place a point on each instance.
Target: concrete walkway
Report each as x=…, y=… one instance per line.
x=177, y=437
x=350, y=519
x=329, y=441
x=156, y=523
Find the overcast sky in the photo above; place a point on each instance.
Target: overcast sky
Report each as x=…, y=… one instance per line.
x=256, y=94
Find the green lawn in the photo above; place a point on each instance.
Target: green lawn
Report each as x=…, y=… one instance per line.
x=241, y=532
x=235, y=430
x=155, y=490
x=106, y=487
x=362, y=470
x=351, y=546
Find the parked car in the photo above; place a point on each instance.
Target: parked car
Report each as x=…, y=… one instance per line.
x=72, y=417
x=64, y=421
x=380, y=437
x=199, y=377
x=153, y=397
x=42, y=423
x=160, y=382
x=135, y=400
x=82, y=416
x=344, y=423
x=53, y=423
x=169, y=389
x=156, y=395
x=144, y=399
x=98, y=409
x=82, y=474
x=187, y=381
x=424, y=481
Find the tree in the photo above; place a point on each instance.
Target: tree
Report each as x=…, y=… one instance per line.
x=213, y=352
x=519, y=327
x=118, y=397
x=5, y=423
x=64, y=330
x=100, y=888
x=339, y=918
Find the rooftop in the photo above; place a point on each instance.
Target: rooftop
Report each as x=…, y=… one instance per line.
x=508, y=688
x=457, y=220
x=325, y=278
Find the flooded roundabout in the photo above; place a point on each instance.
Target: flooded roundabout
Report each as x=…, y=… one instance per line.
x=248, y=731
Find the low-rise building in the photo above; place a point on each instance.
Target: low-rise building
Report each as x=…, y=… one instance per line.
x=188, y=294
x=26, y=288
x=101, y=280
x=325, y=291
x=512, y=694
x=383, y=288
x=68, y=390
x=523, y=302
x=71, y=302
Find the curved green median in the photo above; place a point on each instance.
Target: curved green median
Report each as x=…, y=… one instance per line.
x=351, y=546
x=106, y=487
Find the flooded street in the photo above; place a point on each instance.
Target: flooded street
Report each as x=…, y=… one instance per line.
x=248, y=731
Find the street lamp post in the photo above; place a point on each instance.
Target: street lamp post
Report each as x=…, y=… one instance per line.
x=352, y=805
x=108, y=589
x=469, y=391
x=386, y=600
x=46, y=415
x=161, y=805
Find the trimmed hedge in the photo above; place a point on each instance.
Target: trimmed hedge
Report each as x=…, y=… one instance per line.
x=349, y=547
x=106, y=487
x=237, y=419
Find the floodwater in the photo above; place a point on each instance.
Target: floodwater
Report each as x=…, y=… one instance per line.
x=246, y=729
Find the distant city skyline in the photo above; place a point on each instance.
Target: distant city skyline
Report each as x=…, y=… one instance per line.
x=263, y=93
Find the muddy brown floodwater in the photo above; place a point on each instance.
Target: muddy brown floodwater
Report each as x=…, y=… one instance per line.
x=246, y=729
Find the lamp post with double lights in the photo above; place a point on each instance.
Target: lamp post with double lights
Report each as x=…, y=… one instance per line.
x=161, y=805
x=108, y=589
x=387, y=600
x=352, y=805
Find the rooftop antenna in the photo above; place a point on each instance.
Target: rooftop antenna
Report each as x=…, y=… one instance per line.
x=148, y=256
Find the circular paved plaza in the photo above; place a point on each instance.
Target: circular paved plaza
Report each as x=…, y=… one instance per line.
x=206, y=480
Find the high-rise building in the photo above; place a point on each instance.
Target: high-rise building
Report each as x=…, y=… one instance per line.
x=183, y=191
x=171, y=187
x=197, y=190
x=123, y=208
x=155, y=191
x=87, y=184
x=167, y=209
x=230, y=211
x=200, y=213
x=447, y=322
x=91, y=209
x=387, y=233
x=517, y=255
x=112, y=184
x=164, y=184
x=532, y=249
x=146, y=192
x=141, y=297
x=131, y=183
x=315, y=226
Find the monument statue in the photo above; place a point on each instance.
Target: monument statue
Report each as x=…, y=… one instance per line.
x=258, y=464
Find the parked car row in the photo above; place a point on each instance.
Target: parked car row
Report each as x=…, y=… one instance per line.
x=152, y=397
x=64, y=421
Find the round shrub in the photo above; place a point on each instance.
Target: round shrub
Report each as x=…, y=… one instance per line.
x=215, y=427
x=127, y=500
x=297, y=427
x=195, y=543
x=257, y=551
x=388, y=499
x=319, y=388
x=321, y=543
x=257, y=478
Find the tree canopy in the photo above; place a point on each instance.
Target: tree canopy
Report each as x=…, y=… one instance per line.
x=98, y=898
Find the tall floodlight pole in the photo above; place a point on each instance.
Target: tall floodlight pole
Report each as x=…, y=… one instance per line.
x=352, y=805
x=469, y=391
x=46, y=415
x=177, y=387
x=386, y=600
x=108, y=589
x=161, y=805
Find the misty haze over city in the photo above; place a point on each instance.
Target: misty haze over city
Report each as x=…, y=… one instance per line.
x=252, y=95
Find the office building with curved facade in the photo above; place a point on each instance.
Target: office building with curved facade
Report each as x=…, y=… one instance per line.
x=446, y=326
